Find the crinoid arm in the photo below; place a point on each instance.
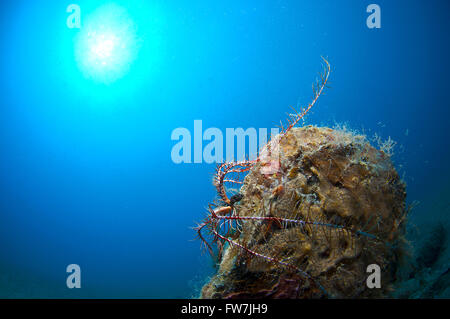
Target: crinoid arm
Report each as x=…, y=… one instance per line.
x=204, y=243
x=230, y=173
x=249, y=253
x=285, y=223
x=317, y=87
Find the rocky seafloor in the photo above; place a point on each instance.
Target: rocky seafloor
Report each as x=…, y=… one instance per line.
x=426, y=274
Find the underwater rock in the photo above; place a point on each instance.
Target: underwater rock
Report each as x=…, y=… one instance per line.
x=429, y=273
x=433, y=247
x=353, y=200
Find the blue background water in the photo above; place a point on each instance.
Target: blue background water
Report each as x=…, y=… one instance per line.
x=86, y=175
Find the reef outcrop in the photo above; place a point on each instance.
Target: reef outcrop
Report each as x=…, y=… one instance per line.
x=353, y=202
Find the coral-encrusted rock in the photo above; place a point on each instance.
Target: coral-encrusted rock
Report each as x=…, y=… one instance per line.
x=329, y=176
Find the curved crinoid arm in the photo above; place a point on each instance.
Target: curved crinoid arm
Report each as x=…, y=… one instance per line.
x=212, y=223
x=223, y=224
x=205, y=243
x=221, y=177
x=318, y=88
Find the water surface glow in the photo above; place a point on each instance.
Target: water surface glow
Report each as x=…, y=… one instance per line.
x=107, y=44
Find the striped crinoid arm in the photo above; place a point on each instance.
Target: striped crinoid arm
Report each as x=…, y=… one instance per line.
x=285, y=223
x=234, y=243
x=251, y=253
x=211, y=224
x=205, y=245
x=224, y=170
x=224, y=174
x=334, y=234
x=317, y=88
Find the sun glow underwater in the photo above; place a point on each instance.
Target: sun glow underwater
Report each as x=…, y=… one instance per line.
x=107, y=44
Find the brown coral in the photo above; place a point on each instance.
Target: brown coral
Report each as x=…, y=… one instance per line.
x=326, y=177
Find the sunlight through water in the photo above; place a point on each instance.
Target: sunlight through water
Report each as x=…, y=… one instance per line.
x=107, y=44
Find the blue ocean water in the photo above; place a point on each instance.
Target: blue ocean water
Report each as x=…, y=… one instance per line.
x=86, y=174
